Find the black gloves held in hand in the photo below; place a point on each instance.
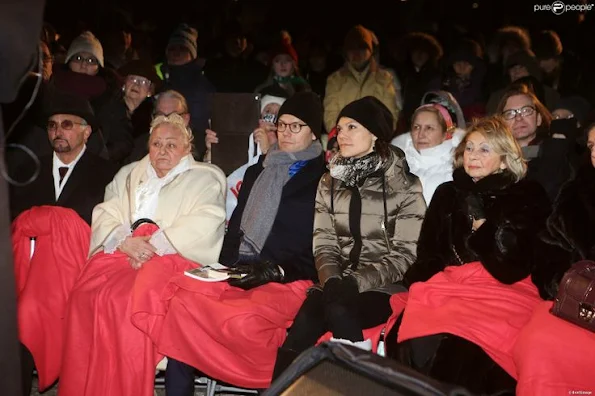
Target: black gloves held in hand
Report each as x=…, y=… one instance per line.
x=342, y=291
x=475, y=207
x=257, y=274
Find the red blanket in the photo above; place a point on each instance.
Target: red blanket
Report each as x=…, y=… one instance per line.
x=228, y=333
x=45, y=280
x=111, y=311
x=554, y=357
x=468, y=302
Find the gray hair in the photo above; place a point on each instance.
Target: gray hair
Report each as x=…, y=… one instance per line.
x=171, y=94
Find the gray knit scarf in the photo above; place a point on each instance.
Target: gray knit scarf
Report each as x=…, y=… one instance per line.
x=265, y=196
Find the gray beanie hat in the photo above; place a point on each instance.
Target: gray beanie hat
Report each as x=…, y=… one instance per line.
x=86, y=42
x=185, y=36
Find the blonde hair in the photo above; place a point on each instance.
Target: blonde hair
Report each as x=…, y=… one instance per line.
x=495, y=130
x=178, y=122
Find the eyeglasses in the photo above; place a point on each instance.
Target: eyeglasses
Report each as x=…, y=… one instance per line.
x=67, y=125
x=524, y=111
x=140, y=81
x=294, y=127
x=92, y=61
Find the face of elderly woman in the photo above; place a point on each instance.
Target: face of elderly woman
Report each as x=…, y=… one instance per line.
x=353, y=138
x=480, y=159
x=137, y=87
x=293, y=134
x=426, y=131
x=168, y=144
x=591, y=145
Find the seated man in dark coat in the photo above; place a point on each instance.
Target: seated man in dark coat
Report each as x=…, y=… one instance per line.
x=269, y=237
x=72, y=176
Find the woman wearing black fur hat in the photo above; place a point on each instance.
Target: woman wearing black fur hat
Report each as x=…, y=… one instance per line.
x=369, y=211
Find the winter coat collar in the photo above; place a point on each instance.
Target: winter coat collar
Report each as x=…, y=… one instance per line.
x=349, y=71
x=489, y=184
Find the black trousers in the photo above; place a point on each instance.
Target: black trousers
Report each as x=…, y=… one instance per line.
x=451, y=359
x=27, y=367
x=179, y=378
x=347, y=322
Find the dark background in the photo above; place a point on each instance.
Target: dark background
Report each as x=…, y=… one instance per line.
x=317, y=18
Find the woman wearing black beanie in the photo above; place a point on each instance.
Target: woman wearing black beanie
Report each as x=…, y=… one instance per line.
x=369, y=211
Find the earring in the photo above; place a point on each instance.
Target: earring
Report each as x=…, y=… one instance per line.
x=123, y=88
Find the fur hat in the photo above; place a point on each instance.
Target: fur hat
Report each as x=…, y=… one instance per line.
x=358, y=37
x=307, y=107
x=142, y=68
x=421, y=41
x=512, y=35
x=547, y=45
x=85, y=42
x=373, y=115
x=185, y=36
x=527, y=60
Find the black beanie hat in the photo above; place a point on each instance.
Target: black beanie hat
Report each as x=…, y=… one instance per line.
x=373, y=115
x=307, y=107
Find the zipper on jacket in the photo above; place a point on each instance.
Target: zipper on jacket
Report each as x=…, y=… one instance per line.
x=386, y=239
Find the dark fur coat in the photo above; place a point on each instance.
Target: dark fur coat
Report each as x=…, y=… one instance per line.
x=570, y=234
x=515, y=213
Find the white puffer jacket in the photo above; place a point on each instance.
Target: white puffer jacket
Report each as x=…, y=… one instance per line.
x=433, y=166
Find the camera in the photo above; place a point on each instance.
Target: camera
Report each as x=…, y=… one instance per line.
x=272, y=118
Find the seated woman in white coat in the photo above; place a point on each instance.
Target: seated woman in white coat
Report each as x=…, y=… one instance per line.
x=436, y=129
x=162, y=215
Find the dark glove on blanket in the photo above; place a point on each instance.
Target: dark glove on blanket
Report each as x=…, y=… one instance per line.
x=257, y=274
x=342, y=291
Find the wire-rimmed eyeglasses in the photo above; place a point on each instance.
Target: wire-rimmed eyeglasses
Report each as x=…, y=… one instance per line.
x=524, y=111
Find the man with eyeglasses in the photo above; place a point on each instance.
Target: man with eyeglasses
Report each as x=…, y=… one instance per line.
x=166, y=103
x=269, y=237
x=551, y=160
x=71, y=176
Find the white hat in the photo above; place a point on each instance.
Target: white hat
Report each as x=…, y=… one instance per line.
x=268, y=99
x=86, y=42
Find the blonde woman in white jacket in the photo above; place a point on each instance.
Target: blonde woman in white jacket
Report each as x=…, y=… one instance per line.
x=436, y=130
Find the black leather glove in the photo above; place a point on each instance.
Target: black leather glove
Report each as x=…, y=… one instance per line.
x=257, y=274
x=342, y=291
x=475, y=207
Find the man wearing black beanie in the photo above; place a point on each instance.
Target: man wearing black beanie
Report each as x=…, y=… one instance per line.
x=269, y=238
